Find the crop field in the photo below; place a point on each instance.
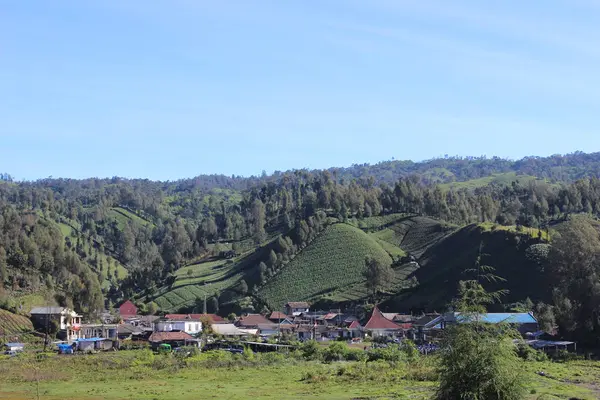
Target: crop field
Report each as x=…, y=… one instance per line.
x=372, y=223
x=334, y=260
x=414, y=235
x=11, y=324
x=123, y=216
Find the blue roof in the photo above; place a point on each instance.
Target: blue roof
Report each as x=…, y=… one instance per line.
x=14, y=344
x=513, y=318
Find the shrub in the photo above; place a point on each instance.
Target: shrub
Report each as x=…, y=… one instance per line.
x=528, y=353
x=390, y=353
x=409, y=348
x=479, y=364
x=335, y=352
x=310, y=350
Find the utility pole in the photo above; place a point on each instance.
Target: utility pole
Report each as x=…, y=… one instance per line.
x=204, y=308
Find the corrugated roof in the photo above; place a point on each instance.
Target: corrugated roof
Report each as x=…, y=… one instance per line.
x=47, y=310
x=227, y=330
x=354, y=325
x=496, y=318
x=378, y=321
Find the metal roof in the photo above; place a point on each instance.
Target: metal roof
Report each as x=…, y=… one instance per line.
x=496, y=318
x=47, y=310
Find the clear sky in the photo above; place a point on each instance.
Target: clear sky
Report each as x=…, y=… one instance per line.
x=173, y=89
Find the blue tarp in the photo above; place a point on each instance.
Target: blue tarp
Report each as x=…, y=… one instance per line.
x=14, y=345
x=96, y=339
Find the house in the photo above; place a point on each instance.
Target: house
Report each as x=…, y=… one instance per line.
x=175, y=339
x=379, y=326
x=145, y=322
x=127, y=309
x=350, y=330
x=66, y=321
x=277, y=317
x=129, y=332
x=269, y=329
x=93, y=344
x=107, y=331
x=296, y=308
x=14, y=347
x=427, y=327
x=523, y=322
x=252, y=321
x=187, y=325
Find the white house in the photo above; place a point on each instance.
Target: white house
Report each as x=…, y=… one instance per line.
x=67, y=321
x=296, y=308
x=189, y=326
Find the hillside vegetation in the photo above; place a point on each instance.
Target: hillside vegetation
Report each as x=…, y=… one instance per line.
x=92, y=243
x=335, y=260
x=13, y=324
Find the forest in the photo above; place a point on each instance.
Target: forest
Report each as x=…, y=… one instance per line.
x=94, y=242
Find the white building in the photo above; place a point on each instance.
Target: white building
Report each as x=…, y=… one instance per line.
x=190, y=326
x=67, y=321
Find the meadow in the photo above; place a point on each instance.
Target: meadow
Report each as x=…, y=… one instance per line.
x=141, y=374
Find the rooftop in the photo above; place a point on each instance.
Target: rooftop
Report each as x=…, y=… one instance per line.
x=496, y=318
x=184, y=317
x=297, y=304
x=253, y=320
x=378, y=321
x=169, y=336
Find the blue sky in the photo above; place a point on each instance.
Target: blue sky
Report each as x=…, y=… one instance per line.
x=173, y=89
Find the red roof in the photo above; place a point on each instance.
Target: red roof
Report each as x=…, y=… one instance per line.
x=253, y=320
x=128, y=308
x=169, y=336
x=354, y=325
x=378, y=321
x=182, y=317
x=277, y=315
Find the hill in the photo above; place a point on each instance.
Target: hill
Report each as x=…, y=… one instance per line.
x=13, y=324
x=332, y=262
x=94, y=242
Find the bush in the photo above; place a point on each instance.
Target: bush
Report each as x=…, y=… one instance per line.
x=310, y=350
x=479, y=364
x=409, y=348
x=337, y=351
x=528, y=353
x=390, y=353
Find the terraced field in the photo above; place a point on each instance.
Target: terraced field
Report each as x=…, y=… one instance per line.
x=334, y=260
x=12, y=324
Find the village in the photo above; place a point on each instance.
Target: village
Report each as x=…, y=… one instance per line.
x=65, y=331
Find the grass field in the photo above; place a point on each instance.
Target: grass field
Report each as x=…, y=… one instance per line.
x=533, y=232
x=501, y=179
x=123, y=216
x=11, y=324
x=142, y=375
x=334, y=260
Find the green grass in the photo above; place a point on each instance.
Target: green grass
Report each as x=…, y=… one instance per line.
x=334, y=260
x=11, y=324
x=532, y=232
x=123, y=216
x=142, y=375
x=501, y=179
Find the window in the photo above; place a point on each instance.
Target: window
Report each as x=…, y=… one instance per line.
x=197, y=327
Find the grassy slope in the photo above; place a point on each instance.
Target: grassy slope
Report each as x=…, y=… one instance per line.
x=333, y=261
x=503, y=179
x=11, y=324
x=444, y=261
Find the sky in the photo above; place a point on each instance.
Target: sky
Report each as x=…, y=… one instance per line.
x=173, y=89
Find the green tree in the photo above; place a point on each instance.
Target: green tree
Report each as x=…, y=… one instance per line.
x=575, y=272
x=377, y=274
x=258, y=220
x=478, y=361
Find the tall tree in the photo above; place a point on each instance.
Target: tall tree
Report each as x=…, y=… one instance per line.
x=377, y=274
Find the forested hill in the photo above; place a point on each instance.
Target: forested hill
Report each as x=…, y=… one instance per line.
x=92, y=242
